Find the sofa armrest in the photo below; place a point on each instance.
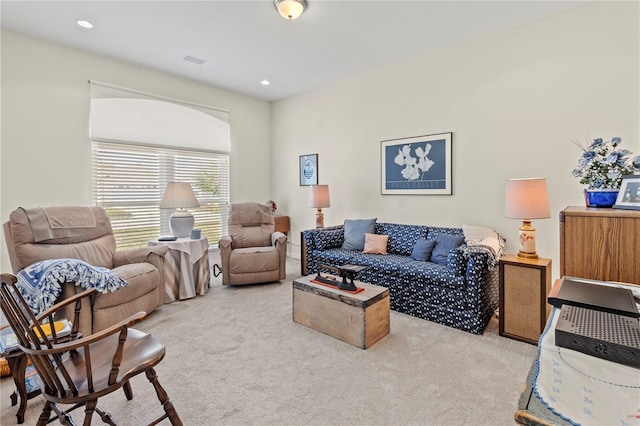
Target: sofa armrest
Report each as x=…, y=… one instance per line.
x=308, y=246
x=481, y=281
x=457, y=262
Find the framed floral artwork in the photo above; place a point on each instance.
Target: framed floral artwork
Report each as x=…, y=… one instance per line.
x=419, y=165
x=629, y=195
x=309, y=169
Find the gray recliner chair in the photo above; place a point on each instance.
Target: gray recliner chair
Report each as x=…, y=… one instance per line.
x=253, y=252
x=85, y=233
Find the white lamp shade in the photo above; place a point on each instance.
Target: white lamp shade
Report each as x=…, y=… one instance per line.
x=179, y=195
x=527, y=199
x=319, y=196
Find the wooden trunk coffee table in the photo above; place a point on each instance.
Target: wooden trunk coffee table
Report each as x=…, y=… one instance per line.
x=360, y=319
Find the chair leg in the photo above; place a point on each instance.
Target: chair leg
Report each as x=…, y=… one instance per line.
x=106, y=417
x=128, y=392
x=89, y=408
x=163, y=398
x=63, y=416
x=44, y=415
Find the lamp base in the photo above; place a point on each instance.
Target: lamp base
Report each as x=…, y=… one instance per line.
x=181, y=223
x=527, y=235
x=319, y=219
x=530, y=256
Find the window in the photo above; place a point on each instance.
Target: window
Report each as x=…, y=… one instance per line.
x=140, y=143
x=129, y=182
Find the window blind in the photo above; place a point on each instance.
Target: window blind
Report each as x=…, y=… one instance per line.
x=129, y=181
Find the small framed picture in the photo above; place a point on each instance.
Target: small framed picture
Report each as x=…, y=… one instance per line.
x=308, y=169
x=629, y=195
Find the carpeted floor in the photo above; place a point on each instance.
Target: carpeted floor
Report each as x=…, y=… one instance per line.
x=235, y=357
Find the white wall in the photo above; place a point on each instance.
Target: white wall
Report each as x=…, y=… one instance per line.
x=46, y=153
x=515, y=100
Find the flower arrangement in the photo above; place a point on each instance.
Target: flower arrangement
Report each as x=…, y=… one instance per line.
x=603, y=164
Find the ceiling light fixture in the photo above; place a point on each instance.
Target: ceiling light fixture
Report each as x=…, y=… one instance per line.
x=290, y=9
x=265, y=82
x=84, y=24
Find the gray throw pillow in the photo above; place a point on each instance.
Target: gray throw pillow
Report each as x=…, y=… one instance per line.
x=354, y=230
x=444, y=244
x=423, y=249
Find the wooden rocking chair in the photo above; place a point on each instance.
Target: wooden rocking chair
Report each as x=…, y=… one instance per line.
x=83, y=368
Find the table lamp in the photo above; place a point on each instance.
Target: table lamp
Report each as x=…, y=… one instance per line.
x=527, y=199
x=319, y=198
x=180, y=196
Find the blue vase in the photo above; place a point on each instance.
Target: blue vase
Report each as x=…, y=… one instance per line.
x=600, y=198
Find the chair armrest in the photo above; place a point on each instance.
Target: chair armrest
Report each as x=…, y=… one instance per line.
x=76, y=320
x=278, y=238
x=153, y=255
x=139, y=255
x=52, y=310
x=87, y=340
x=225, y=242
x=226, y=246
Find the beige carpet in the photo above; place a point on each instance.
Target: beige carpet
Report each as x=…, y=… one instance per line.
x=235, y=357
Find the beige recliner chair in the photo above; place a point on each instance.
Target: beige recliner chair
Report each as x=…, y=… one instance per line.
x=252, y=252
x=84, y=233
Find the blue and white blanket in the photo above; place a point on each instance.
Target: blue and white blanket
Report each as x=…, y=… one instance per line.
x=484, y=240
x=40, y=283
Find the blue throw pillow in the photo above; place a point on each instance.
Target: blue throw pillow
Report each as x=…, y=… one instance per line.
x=354, y=230
x=444, y=244
x=422, y=249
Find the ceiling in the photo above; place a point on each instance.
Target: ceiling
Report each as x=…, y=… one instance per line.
x=244, y=42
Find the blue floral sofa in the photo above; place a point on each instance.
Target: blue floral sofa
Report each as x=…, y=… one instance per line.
x=463, y=294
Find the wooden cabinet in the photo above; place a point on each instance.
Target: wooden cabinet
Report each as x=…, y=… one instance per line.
x=600, y=244
x=282, y=224
x=524, y=286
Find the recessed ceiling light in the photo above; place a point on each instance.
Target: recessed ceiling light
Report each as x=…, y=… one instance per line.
x=84, y=24
x=265, y=82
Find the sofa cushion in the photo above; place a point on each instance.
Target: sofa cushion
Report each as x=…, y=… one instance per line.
x=375, y=244
x=390, y=264
x=253, y=260
x=429, y=274
x=329, y=239
x=444, y=244
x=422, y=249
x=402, y=238
x=333, y=257
x=354, y=230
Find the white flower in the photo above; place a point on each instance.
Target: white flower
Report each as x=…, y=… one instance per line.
x=414, y=165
